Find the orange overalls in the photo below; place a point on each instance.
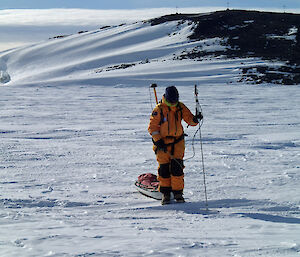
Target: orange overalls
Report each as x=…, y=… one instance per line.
x=165, y=123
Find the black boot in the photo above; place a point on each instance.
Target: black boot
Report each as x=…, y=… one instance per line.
x=179, y=198
x=166, y=199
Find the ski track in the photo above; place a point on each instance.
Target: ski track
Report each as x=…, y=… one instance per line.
x=70, y=155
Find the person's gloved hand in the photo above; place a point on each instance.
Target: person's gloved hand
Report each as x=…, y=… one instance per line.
x=198, y=117
x=161, y=145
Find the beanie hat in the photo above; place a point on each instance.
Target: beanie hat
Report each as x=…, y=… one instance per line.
x=171, y=94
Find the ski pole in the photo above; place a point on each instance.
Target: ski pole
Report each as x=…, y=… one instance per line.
x=154, y=86
x=198, y=108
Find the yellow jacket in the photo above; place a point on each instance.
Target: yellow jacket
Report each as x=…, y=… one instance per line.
x=165, y=121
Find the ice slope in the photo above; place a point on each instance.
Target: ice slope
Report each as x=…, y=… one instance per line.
x=69, y=155
x=146, y=52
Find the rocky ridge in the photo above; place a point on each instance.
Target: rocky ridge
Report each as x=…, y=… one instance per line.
x=266, y=35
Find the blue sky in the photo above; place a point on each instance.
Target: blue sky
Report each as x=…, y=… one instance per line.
x=135, y=4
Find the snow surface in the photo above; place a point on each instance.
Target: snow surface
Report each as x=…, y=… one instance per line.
x=19, y=27
x=74, y=139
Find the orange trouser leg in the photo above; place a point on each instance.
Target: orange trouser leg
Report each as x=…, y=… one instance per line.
x=177, y=183
x=170, y=170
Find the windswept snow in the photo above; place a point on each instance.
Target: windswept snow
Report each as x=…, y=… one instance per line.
x=70, y=154
x=147, y=53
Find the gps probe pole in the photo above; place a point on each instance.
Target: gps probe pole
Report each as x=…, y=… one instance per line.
x=198, y=110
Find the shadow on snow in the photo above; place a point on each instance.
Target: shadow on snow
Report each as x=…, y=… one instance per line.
x=215, y=206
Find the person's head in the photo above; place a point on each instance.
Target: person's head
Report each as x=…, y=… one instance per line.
x=171, y=95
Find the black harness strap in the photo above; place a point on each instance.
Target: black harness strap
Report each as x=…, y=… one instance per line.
x=176, y=140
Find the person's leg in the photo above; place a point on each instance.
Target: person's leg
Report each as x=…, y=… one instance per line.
x=177, y=175
x=164, y=176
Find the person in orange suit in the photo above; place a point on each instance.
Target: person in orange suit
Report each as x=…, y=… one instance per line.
x=168, y=138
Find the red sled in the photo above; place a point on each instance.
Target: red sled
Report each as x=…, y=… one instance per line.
x=147, y=184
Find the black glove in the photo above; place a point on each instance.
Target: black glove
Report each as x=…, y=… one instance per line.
x=198, y=117
x=161, y=145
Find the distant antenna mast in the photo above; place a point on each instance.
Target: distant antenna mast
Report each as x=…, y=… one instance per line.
x=284, y=7
x=176, y=9
x=227, y=5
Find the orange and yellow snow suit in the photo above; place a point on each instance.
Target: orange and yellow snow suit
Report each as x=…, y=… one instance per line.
x=165, y=124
